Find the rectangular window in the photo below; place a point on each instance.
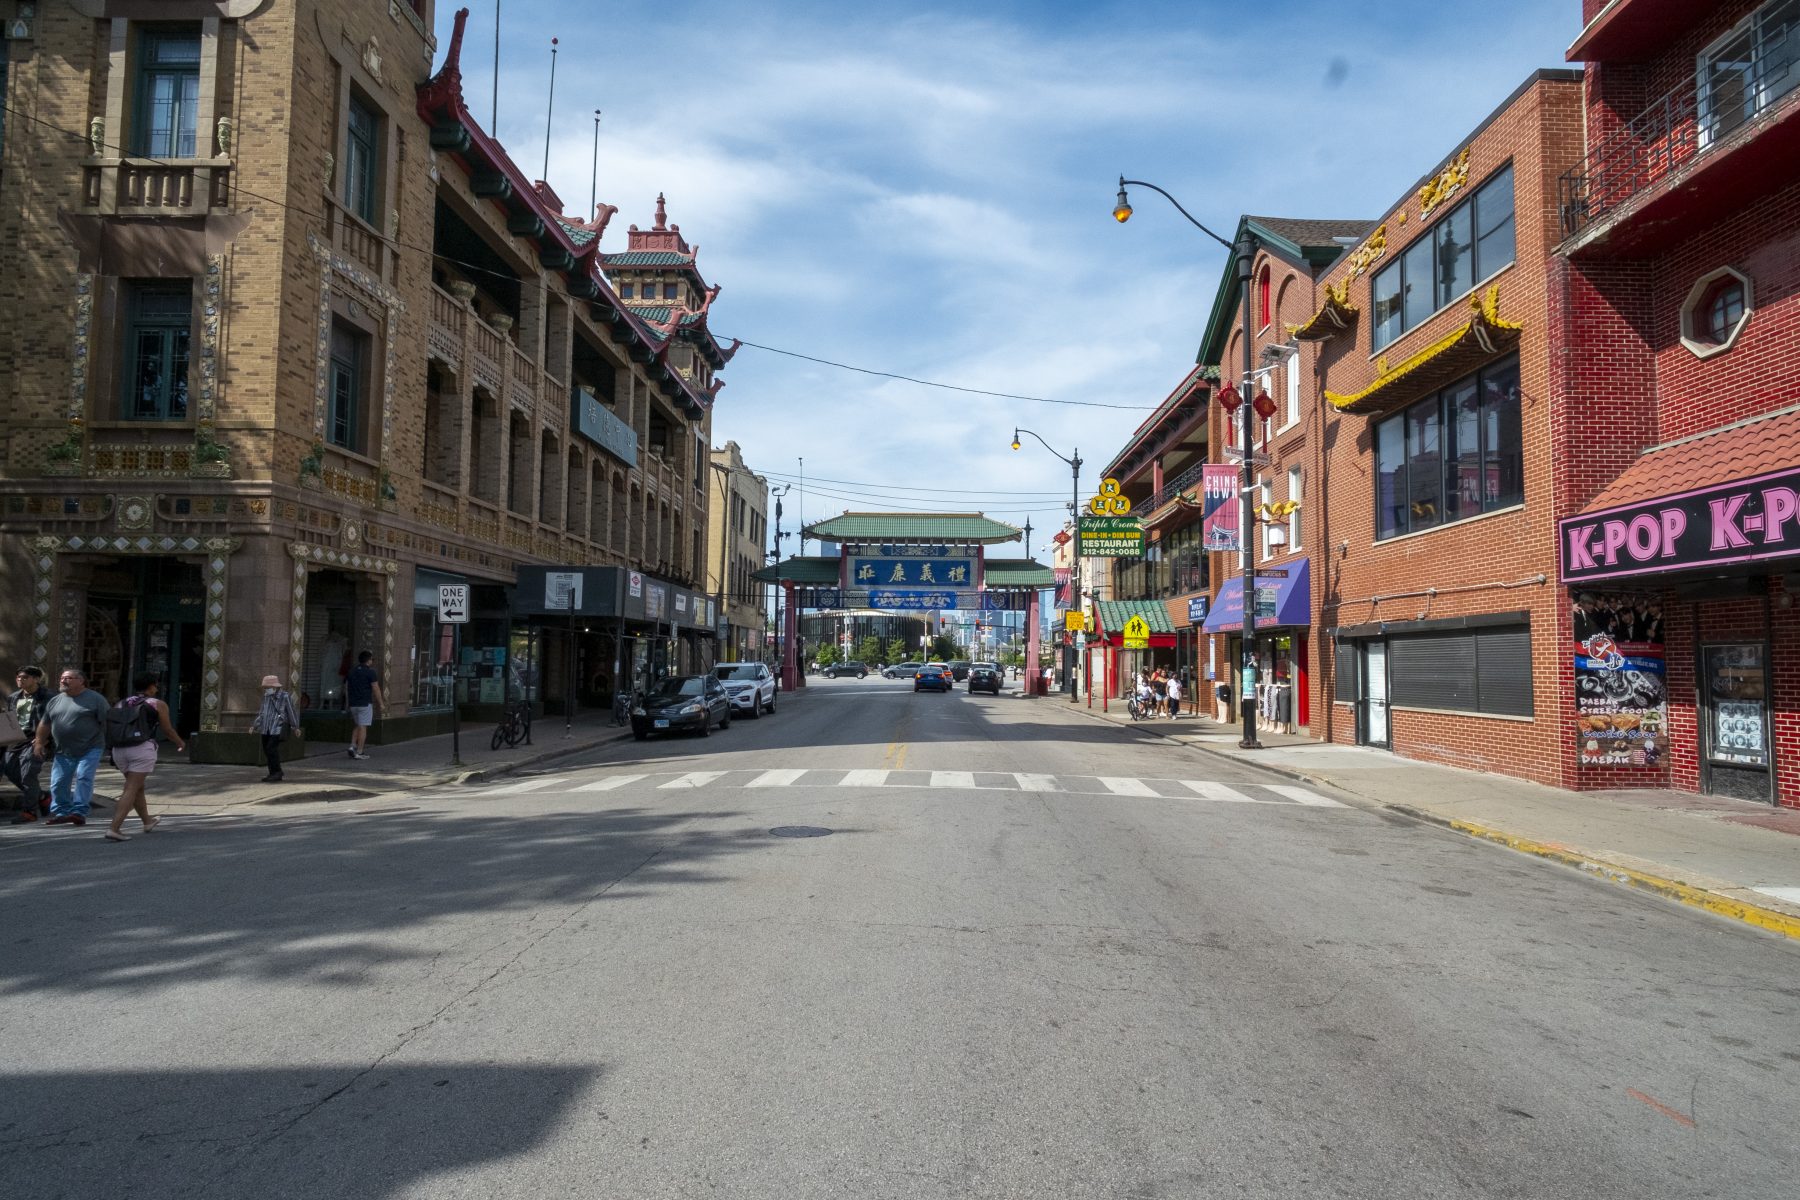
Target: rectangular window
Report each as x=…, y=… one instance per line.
x=670, y=291
x=1468, y=244
x=1451, y=456
x=159, y=322
x=1482, y=670
x=362, y=143
x=1344, y=676
x=1296, y=482
x=1292, y=375
x=626, y=291
x=167, y=91
x=348, y=397
x=1749, y=68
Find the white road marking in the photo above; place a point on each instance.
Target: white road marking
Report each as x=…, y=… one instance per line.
x=779, y=778
x=953, y=779
x=1126, y=787
x=863, y=779
x=693, y=779
x=608, y=784
x=1217, y=791
x=1300, y=795
x=525, y=785
x=1036, y=783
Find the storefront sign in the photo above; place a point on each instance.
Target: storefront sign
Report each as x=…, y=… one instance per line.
x=1219, y=518
x=1109, y=501
x=1729, y=523
x=595, y=422
x=1112, y=537
x=1283, y=602
x=1621, y=683
x=562, y=590
x=901, y=572
x=1197, y=610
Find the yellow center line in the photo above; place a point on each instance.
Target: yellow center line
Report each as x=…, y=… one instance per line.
x=900, y=759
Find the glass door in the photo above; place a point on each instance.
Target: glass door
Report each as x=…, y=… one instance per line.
x=1375, y=694
x=1736, y=751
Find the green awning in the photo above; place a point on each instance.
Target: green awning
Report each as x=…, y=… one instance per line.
x=1016, y=573
x=1114, y=614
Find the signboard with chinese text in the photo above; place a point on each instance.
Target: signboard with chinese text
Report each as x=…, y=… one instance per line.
x=1197, y=610
x=912, y=572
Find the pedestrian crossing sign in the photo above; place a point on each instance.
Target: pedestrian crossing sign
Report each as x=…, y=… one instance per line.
x=1137, y=634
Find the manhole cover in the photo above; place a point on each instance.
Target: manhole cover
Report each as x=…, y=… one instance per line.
x=799, y=831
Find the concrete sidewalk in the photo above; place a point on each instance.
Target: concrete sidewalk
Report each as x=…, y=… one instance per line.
x=1731, y=857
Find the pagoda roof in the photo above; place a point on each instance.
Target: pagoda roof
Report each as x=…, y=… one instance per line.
x=913, y=527
x=648, y=258
x=534, y=215
x=1016, y=573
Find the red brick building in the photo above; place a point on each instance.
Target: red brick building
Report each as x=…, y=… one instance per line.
x=1680, y=536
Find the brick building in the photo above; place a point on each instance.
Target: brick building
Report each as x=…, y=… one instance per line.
x=1680, y=290
x=737, y=539
x=294, y=343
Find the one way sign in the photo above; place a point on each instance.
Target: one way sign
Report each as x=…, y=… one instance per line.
x=453, y=603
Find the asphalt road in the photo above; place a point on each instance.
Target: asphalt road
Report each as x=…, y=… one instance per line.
x=1036, y=956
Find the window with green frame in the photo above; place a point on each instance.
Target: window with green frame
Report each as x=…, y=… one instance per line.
x=159, y=322
x=347, y=401
x=361, y=143
x=167, y=91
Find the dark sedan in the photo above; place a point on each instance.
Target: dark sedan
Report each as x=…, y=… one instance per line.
x=694, y=703
x=933, y=677
x=984, y=677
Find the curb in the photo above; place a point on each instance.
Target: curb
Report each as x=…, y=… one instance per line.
x=1711, y=901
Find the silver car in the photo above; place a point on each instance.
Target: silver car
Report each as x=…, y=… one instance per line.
x=750, y=686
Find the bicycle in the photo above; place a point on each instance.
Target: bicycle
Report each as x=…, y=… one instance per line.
x=514, y=727
x=1140, y=709
x=622, y=705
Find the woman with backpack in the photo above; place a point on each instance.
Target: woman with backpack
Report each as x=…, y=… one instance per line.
x=135, y=753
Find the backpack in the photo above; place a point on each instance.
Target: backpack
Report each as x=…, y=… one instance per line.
x=130, y=722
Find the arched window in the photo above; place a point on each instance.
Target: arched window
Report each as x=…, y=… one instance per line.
x=1262, y=299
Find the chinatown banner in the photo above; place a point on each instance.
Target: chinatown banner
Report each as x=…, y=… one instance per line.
x=1220, y=522
x=1061, y=575
x=1621, y=682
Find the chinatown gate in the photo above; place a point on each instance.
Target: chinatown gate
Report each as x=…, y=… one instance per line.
x=908, y=562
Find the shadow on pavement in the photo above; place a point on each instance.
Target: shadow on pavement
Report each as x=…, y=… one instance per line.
x=336, y=1130
x=322, y=899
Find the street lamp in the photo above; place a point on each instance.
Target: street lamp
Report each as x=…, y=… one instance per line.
x=1075, y=520
x=1230, y=400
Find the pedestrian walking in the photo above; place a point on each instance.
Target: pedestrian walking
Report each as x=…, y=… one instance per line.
x=22, y=764
x=1174, y=696
x=136, y=759
x=362, y=691
x=74, y=728
x=273, y=720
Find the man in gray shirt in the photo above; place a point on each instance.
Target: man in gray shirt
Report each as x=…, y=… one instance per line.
x=75, y=721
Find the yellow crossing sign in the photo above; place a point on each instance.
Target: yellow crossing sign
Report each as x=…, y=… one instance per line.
x=1137, y=634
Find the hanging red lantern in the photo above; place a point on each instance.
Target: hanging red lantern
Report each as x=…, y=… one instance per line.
x=1264, y=404
x=1229, y=398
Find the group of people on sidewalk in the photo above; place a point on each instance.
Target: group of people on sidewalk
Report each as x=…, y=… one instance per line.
x=71, y=729
x=1158, y=691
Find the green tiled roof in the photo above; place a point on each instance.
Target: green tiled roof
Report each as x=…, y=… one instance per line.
x=811, y=571
x=921, y=527
x=1114, y=614
x=649, y=258
x=660, y=313
x=1016, y=573
x=577, y=234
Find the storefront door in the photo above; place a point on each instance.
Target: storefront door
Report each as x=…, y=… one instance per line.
x=1735, y=742
x=1374, y=695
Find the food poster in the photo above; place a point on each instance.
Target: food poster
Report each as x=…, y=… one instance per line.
x=1621, y=680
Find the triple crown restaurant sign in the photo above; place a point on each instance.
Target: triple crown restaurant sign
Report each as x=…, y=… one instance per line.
x=1106, y=529
x=1729, y=523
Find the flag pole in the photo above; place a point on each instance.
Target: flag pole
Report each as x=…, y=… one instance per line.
x=548, y=110
x=594, y=188
x=494, y=113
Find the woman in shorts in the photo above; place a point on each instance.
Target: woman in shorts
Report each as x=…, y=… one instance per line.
x=136, y=762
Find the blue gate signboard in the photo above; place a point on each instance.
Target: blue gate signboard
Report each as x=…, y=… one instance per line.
x=912, y=572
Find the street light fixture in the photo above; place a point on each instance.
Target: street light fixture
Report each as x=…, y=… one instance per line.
x=1075, y=521
x=1229, y=400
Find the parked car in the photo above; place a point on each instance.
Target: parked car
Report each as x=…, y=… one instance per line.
x=750, y=686
x=985, y=677
x=959, y=669
x=848, y=667
x=682, y=702
x=905, y=670
x=934, y=677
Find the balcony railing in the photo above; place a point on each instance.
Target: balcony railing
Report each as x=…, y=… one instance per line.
x=1677, y=130
x=153, y=187
x=1185, y=481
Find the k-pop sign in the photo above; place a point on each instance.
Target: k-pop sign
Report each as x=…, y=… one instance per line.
x=1727, y=523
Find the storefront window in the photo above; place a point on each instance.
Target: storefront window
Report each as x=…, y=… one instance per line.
x=1451, y=456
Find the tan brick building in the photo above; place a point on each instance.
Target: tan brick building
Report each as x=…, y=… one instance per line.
x=737, y=542
x=295, y=342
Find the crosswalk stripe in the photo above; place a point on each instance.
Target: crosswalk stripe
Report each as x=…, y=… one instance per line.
x=1207, y=790
x=779, y=778
x=1126, y=787
x=609, y=783
x=1300, y=795
x=953, y=779
x=863, y=779
x=524, y=785
x=1036, y=783
x=693, y=779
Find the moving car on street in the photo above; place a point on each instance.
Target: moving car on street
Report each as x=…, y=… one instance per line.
x=750, y=686
x=984, y=677
x=933, y=677
x=850, y=667
x=694, y=703
x=959, y=669
x=905, y=670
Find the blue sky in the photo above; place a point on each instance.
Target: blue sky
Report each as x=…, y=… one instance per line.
x=925, y=189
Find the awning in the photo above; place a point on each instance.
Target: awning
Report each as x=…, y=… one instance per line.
x=1279, y=602
x=1110, y=617
x=1445, y=360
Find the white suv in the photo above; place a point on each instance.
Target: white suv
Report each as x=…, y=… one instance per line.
x=750, y=686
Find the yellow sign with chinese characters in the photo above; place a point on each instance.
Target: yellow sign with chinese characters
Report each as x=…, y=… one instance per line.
x=1109, y=501
x=1136, y=634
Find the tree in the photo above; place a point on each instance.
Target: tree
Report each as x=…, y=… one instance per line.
x=944, y=648
x=896, y=650
x=869, y=650
x=826, y=654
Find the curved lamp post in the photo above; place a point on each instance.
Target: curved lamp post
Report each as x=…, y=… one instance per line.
x=1075, y=521
x=1229, y=400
